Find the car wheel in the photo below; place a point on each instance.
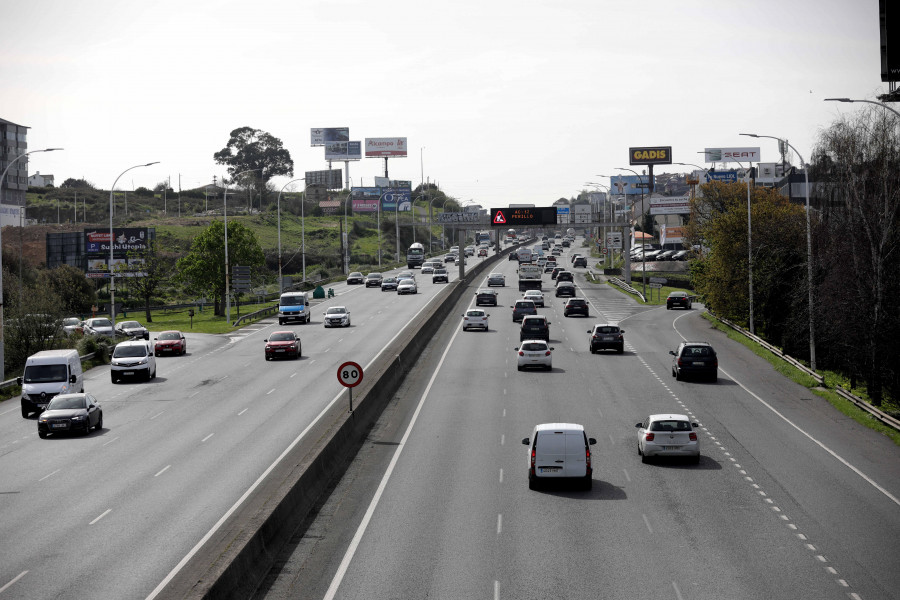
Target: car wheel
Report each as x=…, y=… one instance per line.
x=299, y=351
x=25, y=412
x=519, y=367
x=268, y=358
x=281, y=321
x=645, y=459
x=714, y=378
x=157, y=354
x=99, y=423
x=42, y=434
x=668, y=307
x=588, y=483
x=695, y=460
x=532, y=482
x=113, y=379
x=153, y=376
x=621, y=349
x=677, y=375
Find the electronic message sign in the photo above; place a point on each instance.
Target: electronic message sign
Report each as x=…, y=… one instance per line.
x=515, y=216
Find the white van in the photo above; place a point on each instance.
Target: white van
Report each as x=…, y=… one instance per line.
x=48, y=373
x=293, y=306
x=559, y=451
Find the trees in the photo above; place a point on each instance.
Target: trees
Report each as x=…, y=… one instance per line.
x=257, y=150
x=156, y=271
x=75, y=292
x=857, y=165
x=202, y=270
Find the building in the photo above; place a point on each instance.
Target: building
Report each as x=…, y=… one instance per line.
x=13, y=187
x=38, y=180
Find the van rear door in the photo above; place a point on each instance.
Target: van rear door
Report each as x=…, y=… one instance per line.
x=550, y=454
x=576, y=456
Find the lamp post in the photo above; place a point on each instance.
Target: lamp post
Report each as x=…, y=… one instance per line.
x=2, y=179
x=628, y=256
x=849, y=100
x=809, y=268
x=112, y=243
x=430, y=224
x=278, y=210
x=225, y=216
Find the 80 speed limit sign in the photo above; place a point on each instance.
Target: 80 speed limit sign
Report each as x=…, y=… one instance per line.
x=350, y=374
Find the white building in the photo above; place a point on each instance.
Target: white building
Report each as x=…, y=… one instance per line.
x=38, y=180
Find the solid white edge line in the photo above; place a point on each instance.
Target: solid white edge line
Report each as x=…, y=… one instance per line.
x=177, y=568
x=106, y=512
x=840, y=459
x=357, y=537
x=12, y=581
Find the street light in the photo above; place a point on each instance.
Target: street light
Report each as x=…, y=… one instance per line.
x=809, y=269
x=278, y=210
x=2, y=179
x=628, y=256
x=225, y=216
x=849, y=100
x=431, y=224
x=749, y=238
x=112, y=242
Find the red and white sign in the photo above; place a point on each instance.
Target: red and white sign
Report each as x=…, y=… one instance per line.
x=380, y=147
x=350, y=374
x=499, y=219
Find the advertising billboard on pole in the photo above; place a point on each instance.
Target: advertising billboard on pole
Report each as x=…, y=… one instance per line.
x=650, y=155
x=366, y=199
x=320, y=136
x=731, y=154
x=381, y=147
x=629, y=185
x=343, y=150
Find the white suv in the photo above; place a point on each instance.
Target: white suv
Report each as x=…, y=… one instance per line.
x=133, y=359
x=559, y=451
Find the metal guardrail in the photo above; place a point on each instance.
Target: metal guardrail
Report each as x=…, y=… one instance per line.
x=878, y=414
x=619, y=283
x=259, y=313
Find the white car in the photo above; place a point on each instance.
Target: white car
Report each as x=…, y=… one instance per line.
x=132, y=359
x=535, y=296
x=98, y=326
x=407, y=286
x=535, y=353
x=71, y=325
x=475, y=318
x=427, y=268
x=559, y=451
x=668, y=435
x=336, y=316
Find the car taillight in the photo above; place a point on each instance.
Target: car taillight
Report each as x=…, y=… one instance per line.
x=587, y=456
x=521, y=353
x=692, y=436
x=680, y=362
x=532, y=460
x=649, y=437
x=547, y=353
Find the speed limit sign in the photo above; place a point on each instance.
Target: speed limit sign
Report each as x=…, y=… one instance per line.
x=350, y=374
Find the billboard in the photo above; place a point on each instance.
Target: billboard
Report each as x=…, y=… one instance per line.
x=890, y=41
x=343, y=150
x=332, y=179
x=319, y=136
x=392, y=196
x=127, y=239
x=671, y=234
x=731, y=154
x=670, y=205
x=650, y=155
x=9, y=215
x=629, y=185
x=390, y=147
x=365, y=199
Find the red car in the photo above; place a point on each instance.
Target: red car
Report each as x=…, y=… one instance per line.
x=283, y=344
x=170, y=342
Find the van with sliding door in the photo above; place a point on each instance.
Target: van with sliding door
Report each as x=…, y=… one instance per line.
x=293, y=306
x=559, y=451
x=49, y=373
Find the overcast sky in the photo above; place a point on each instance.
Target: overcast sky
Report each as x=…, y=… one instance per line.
x=501, y=101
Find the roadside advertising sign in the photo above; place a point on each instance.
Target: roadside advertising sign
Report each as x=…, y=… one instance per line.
x=365, y=199
x=317, y=136
x=670, y=205
x=650, y=155
x=381, y=147
x=127, y=239
x=343, y=150
x=732, y=154
x=337, y=134
x=394, y=195
x=630, y=185
x=459, y=217
x=331, y=179
x=671, y=234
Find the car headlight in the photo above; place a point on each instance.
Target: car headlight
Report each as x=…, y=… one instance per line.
x=43, y=419
x=79, y=418
x=144, y=361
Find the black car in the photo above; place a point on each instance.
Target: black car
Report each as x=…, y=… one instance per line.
x=496, y=279
x=374, y=280
x=486, y=296
x=576, y=306
x=69, y=413
x=581, y=261
x=556, y=271
x=565, y=288
x=678, y=299
x=523, y=308
x=389, y=283
x=607, y=337
x=535, y=327
x=513, y=256
x=440, y=275
x=694, y=358
x=355, y=278
x=564, y=276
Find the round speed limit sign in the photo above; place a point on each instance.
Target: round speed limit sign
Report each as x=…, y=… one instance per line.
x=350, y=374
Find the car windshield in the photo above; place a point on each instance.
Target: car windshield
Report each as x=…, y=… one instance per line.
x=670, y=426
x=575, y=302
x=607, y=330
x=528, y=304
x=533, y=324
x=677, y=294
x=475, y=313
x=485, y=291
x=284, y=336
x=336, y=310
x=440, y=271
x=45, y=373
x=389, y=279
x=123, y=351
x=100, y=323
x=696, y=351
x=67, y=402
x=129, y=325
x=406, y=281
x=374, y=275
x=292, y=301
x=534, y=347
x=71, y=321
x=170, y=335
x=355, y=275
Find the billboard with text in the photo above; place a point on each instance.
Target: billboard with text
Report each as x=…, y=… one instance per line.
x=385, y=147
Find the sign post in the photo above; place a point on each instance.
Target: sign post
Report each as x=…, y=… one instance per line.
x=350, y=375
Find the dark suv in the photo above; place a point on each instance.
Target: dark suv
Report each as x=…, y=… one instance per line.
x=565, y=276
x=681, y=299
x=694, y=358
x=535, y=327
x=486, y=296
x=607, y=337
x=522, y=308
x=576, y=306
x=580, y=261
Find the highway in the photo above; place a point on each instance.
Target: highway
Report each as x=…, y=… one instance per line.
x=791, y=499
x=112, y=514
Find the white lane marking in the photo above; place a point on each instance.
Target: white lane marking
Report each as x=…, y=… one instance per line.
x=496, y=590
x=6, y=412
x=499, y=524
x=243, y=411
x=677, y=591
x=20, y=576
x=50, y=475
x=293, y=375
x=270, y=391
x=207, y=437
x=192, y=395
x=840, y=459
x=357, y=537
x=627, y=476
x=501, y=475
x=106, y=512
x=163, y=470
x=156, y=415
x=647, y=523
x=502, y=439
x=115, y=439
x=177, y=568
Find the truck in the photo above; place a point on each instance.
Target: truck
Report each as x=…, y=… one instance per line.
x=523, y=255
x=415, y=255
x=530, y=277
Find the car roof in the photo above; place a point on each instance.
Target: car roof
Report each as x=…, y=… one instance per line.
x=689, y=343
x=281, y=331
x=559, y=427
x=668, y=417
x=133, y=343
x=677, y=293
